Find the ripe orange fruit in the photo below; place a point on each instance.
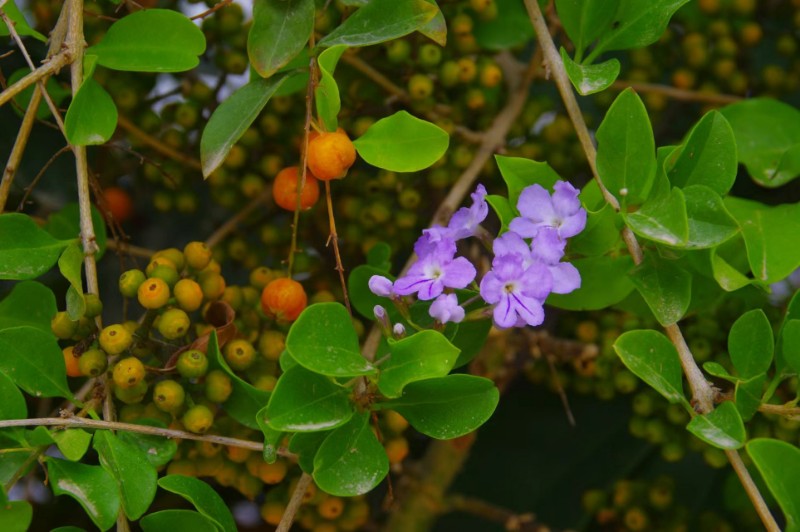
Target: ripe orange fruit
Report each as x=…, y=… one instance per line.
x=283, y=299
x=71, y=361
x=330, y=155
x=284, y=189
x=118, y=203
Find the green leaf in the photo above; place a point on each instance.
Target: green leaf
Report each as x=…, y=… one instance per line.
x=92, y=116
x=305, y=445
x=92, y=486
x=71, y=266
x=601, y=235
x=768, y=138
x=20, y=24
x=361, y=297
x=27, y=250
x=626, y=152
x=402, y=142
x=662, y=219
x=727, y=275
x=589, y=79
x=519, y=173
x=73, y=443
x=503, y=209
x=58, y=93
x=151, y=40
x=718, y=370
x=750, y=343
x=665, y=286
x=280, y=30
x=651, y=357
x=707, y=156
x=380, y=21
x=245, y=400
x=424, y=355
x=585, y=20
x=323, y=340
x=33, y=360
x=604, y=282
x=304, y=401
x=722, y=427
x=471, y=337
x=747, y=395
x=272, y=438
x=204, y=498
x=779, y=465
x=15, y=516
x=134, y=475
x=351, y=461
x=177, y=520
x=326, y=95
x=446, y=407
x=783, y=351
x=66, y=225
x=510, y=28
x=233, y=117
x=636, y=24
x=790, y=343
x=710, y=224
x=436, y=28
x=770, y=235
x=29, y=303
x=380, y=256
x=12, y=403
x=158, y=450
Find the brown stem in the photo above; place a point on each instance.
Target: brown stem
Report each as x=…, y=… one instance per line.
x=52, y=66
x=229, y=226
x=294, y=503
x=333, y=238
x=157, y=145
x=788, y=410
x=676, y=93
x=20, y=143
x=491, y=512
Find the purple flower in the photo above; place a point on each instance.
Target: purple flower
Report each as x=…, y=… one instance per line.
x=548, y=249
x=436, y=268
x=464, y=221
x=446, y=308
x=517, y=292
x=380, y=286
x=562, y=211
x=399, y=330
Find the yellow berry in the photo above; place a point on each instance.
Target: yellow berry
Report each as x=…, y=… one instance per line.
x=115, y=339
x=128, y=373
x=153, y=293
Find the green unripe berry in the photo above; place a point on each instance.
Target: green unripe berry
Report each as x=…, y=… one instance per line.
x=398, y=51
x=62, y=326
x=153, y=293
x=449, y=74
x=198, y=419
x=218, y=386
x=420, y=86
x=173, y=324
x=94, y=307
x=130, y=281
x=168, y=395
x=197, y=255
x=239, y=354
x=429, y=55
x=212, y=284
x=409, y=198
x=271, y=344
x=132, y=395
x=166, y=273
x=128, y=373
x=192, y=364
x=93, y=362
x=115, y=339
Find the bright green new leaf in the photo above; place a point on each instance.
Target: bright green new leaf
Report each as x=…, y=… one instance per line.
x=652, y=357
x=750, y=343
x=151, y=40
x=716, y=369
x=511, y=27
x=601, y=235
x=12, y=403
x=519, y=173
x=245, y=400
x=351, y=461
x=424, y=355
x=662, y=219
x=15, y=516
x=323, y=340
x=305, y=445
x=790, y=343
x=604, y=282
x=503, y=209
x=722, y=427
x=770, y=234
x=710, y=224
x=177, y=520
x=204, y=498
x=66, y=225
x=779, y=465
x=707, y=156
x=231, y=119
x=33, y=360
x=380, y=21
x=585, y=20
x=280, y=30
x=636, y=24
x=446, y=407
x=748, y=394
x=626, y=151
x=589, y=79
x=402, y=143
x=92, y=116
x=73, y=443
x=326, y=95
x=29, y=303
x=304, y=401
x=39, y=436
x=665, y=286
x=92, y=486
x=768, y=138
x=436, y=28
x=27, y=250
x=20, y=24
x=71, y=266
x=128, y=466
x=158, y=450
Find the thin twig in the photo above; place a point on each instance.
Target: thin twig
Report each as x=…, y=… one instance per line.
x=134, y=251
x=333, y=238
x=157, y=145
x=207, y=12
x=18, y=150
x=788, y=410
x=491, y=512
x=294, y=503
x=676, y=93
x=52, y=66
x=230, y=225
x=41, y=173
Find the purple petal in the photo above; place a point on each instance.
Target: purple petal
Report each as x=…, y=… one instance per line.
x=409, y=284
x=437, y=233
x=446, y=309
x=565, y=199
x=459, y=273
x=510, y=243
x=508, y=267
x=528, y=309
x=431, y=289
x=525, y=227
x=537, y=281
x=566, y=278
x=504, y=315
x=572, y=225
x=491, y=288
x=535, y=204
x=380, y=286
x=547, y=246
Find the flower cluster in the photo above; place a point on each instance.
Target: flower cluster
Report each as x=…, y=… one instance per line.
x=526, y=268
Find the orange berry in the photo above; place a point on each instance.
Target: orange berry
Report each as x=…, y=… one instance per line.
x=153, y=293
x=283, y=299
x=284, y=189
x=396, y=449
x=119, y=203
x=330, y=155
x=71, y=361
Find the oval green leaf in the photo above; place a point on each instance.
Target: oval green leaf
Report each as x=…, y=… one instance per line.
x=33, y=360
x=204, y=498
x=652, y=357
x=177, y=520
x=380, y=21
x=305, y=445
x=585, y=20
x=92, y=116
x=134, y=475
x=424, y=355
x=73, y=443
x=636, y=24
x=722, y=427
x=662, y=219
x=589, y=79
x=326, y=95
x=519, y=173
x=12, y=403
x=510, y=28
x=158, y=450
x=280, y=30
x=604, y=282
x=665, y=286
x=402, y=143
x=779, y=465
x=750, y=343
x=29, y=303
x=66, y=224
x=27, y=250
x=709, y=222
x=92, y=486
